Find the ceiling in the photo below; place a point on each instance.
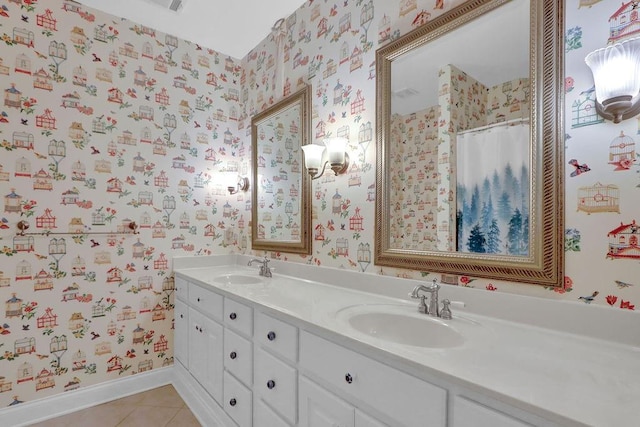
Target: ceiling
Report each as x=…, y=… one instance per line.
x=229, y=27
x=493, y=48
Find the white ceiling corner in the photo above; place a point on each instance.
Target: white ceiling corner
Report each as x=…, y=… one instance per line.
x=229, y=27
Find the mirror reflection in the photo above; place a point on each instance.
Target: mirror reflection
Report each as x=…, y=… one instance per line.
x=460, y=106
x=280, y=190
x=460, y=109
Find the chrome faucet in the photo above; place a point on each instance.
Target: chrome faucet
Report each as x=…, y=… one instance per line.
x=433, y=308
x=264, y=268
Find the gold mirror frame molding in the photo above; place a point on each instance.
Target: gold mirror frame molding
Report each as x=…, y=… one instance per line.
x=544, y=264
x=303, y=246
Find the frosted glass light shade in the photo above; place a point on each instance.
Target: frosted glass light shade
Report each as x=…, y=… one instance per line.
x=313, y=156
x=336, y=148
x=616, y=74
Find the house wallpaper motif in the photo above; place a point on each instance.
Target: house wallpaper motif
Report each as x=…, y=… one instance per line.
x=104, y=122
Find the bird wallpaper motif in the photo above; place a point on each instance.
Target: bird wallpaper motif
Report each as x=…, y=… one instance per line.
x=105, y=123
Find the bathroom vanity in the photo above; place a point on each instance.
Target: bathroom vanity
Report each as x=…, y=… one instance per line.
x=289, y=351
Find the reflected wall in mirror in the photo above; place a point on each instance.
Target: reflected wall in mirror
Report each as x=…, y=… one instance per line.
x=470, y=143
x=281, y=215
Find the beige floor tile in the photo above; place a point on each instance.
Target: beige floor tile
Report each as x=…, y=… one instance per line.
x=152, y=416
x=165, y=396
x=105, y=415
x=153, y=408
x=56, y=422
x=184, y=418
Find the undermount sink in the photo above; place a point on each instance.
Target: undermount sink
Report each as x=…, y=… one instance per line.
x=397, y=324
x=236, y=279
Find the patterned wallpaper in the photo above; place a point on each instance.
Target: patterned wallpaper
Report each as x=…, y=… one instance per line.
x=332, y=47
x=104, y=122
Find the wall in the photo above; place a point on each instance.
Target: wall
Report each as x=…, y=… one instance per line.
x=104, y=122
x=332, y=47
x=340, y=65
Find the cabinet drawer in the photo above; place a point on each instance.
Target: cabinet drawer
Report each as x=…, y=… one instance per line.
x=318, y=407
x=206, y=301
x=374, y=383
x=469, y=413
x=238, y=356
x=263, y=416
x=275, y=382
x=182, y=289
x=237, y=401
x=238, y=316
x=277, y=336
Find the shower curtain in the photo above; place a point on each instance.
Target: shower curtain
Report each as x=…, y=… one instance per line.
x=492, y=190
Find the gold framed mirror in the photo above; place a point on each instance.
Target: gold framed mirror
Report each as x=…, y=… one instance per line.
x=281, y=188
x=470, y=145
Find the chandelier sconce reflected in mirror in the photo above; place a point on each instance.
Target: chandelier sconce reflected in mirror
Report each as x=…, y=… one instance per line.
x=333, y=153
x=616, y=74
x=234, y=182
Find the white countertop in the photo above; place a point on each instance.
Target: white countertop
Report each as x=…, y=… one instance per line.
x=564, y=377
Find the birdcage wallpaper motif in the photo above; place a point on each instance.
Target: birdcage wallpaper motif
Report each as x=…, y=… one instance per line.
x=599, y=198
x=622, y=151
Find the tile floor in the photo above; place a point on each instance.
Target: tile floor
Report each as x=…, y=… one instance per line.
x=160, y=407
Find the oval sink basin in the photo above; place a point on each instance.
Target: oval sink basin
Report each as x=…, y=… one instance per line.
x=396, y=324
x=236, y=279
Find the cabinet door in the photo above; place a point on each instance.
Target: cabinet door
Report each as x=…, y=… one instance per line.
x=181, y=333
x=319, y=408
x=467, y=413
x=364, y=420
x=205, y=353
x=263, y=416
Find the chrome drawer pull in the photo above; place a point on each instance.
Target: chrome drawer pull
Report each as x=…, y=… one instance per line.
x=233, y=316
x=233, y=355
x=271, y=384
x=232, y=402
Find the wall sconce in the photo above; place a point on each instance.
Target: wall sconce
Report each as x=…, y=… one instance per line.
x=334, y=153
x=616, y=73
x=234, y=182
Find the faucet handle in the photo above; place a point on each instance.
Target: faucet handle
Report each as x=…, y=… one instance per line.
x=422, y=305
x=445, y=313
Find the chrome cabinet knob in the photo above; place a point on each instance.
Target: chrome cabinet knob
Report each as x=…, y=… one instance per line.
x=348, y=378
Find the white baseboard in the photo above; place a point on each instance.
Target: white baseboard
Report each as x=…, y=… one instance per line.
x=203, y=407
x=46, y=408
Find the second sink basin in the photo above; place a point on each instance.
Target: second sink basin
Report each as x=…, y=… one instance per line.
x=397, y=324
x=236, y=279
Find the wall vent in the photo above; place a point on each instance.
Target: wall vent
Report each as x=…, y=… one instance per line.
x=174, y=5
x=405, y=92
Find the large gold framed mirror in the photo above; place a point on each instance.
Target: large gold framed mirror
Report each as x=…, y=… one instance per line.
x=281, y=188
x=470, y=144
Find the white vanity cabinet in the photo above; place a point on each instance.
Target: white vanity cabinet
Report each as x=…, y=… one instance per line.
x=320, y=408
x=181, y=335
x=275, y=382
x=265, y=369
x=466, y=412
x=399, y=398
x=205, y=352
